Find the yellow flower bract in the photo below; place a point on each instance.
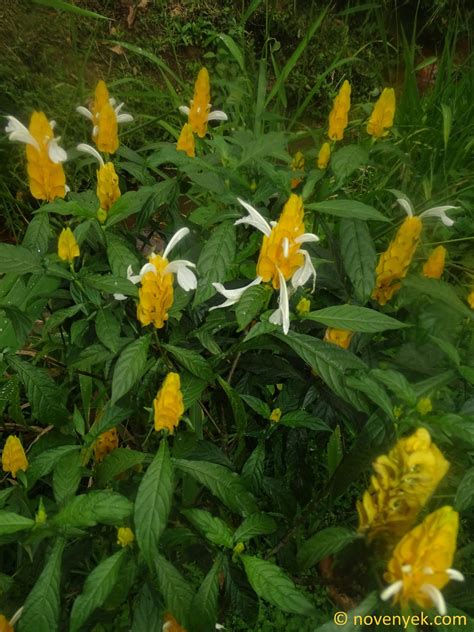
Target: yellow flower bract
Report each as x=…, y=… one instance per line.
x=108, y=190
x=105, y=443
x=168, y=404
x=381, y=119
x=470, y=299
x=272, y=253
x=5, y=625
x=156, y=294
x=394, y=262
x=338, y=117
x=423, y=556
x=201, y=104
x=324, y=156
x=186, y=141
x=46, y=178
x=171, y=625
x=105, y=131
x=13, y=456
x=125, y=536
x=404, y=480
x=68, y=248
x=340, y=337
x=433, y=268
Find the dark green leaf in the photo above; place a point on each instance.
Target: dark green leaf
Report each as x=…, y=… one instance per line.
x=37, y=234
x=192, y=361
x=326, y=542
x=57, y=318
x=19, y=260
x=464, y=498
x=214, y=261
x=45, y=462
x=213, y=529
x=92, y=508
x=347, y=208
x=254, y=525
x=11, y=522
x=107, y=328
x=354, y=318
x=346, y=160
x=204, y=605
x=111, y=284
x=66, y=477
x=118, y=461
x=358, y=256
x=249, y=305
x=129, y=367
x=176, y=591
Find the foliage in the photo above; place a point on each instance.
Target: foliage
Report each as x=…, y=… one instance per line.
x=245, y=514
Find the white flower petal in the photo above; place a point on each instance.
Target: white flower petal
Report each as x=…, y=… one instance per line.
x=391, y=590
x=95, y=130
x=17, y=132
x=455, y=575
x=134, y=278
x=113, y=101
x=436, y=597
x=92, y=151
x=67, y=188
x=307, y=238
x=185, y=277
x=177, y=237
x=406, y=206
x=282, y=315
x=120, y=297
x=184, y=110
x=440, y=211
x=232, y=296
x=303, y=274
x=148, y=267
x=254, y=219
x=124, y=118
x=85, y=112
x=286, y=247
x=55, y=152
x=52, y=123
x=217, y=115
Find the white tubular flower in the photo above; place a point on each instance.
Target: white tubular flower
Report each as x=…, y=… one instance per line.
x=281, y=316
x=55, y=152
x=436, y=211
x=254, y=219
x=18, y=133
x=121, y=118
x=88, y=149
x=232, y=296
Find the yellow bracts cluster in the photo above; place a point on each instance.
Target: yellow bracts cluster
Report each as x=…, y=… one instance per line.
x=108, y=190
x=280, y=251
x=338, y=117
x=170, y=624
x=420, y=565
x=381, y=119
x=156, y=293
x=340, y=337
x=186, y=141
x=470, y=299
x=433, y=268
x=5, y=624
x=13, y=456
x=404, y=480
x=394, y=262
x=68, y=248
x=105, y=444
x=168, y=404
x=297, y=164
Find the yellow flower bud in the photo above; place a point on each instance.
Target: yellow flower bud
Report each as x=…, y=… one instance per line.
x=434, y=265
x=239, y=548
x=275, y=415
x=108, y=190
x=168, y=404
x=340, y=337
x=13, y=456
x=470, y=299
x=47, y=179
x=186, y=141
x=382, y=115
x=324, y=156
x=304, y=306
x=424, y=406
x=125, y=536
x=338, y=117
x=394, y=262
x=297, y=164
x=68, y=248
x=105, y=443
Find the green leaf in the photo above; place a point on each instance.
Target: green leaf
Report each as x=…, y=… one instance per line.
x=249, y=305
x=192, y=361
x=129, y=367
x=226, y=485
x=58, y=317
x=87, y=510
x=254, y=525
x=213, y=529
x=19, y=260
x=303, y=419
x=397, y=383
x=153, y=502
x=347, y=208
x=334, y=450
x=11, y=522
x=147, y=615
x=62, y=5
x=252, y=472
x=37, y=234
x=326, y=542
x=176, y=591
x=234, y=50
x=257, y=405
x=437, y=290
x=204, y=605
x=346, y=160
x=215, y=260
x=107, y=328
x=66, y=477
x=43, y=394
x=354, y=318
x=329, y=361
x=42, y=606
x=464, y=498
x=358, y=256
x=238, y=408
x=448, y=348
x=45, y=462
x=273, y=585
x=70, y=207
x=111, y=284
x=98, y=586
x=118, y=461
x=365, y=384
x=120, y=255
x=367, y=606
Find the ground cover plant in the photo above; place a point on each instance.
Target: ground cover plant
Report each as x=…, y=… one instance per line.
x=238, y=362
